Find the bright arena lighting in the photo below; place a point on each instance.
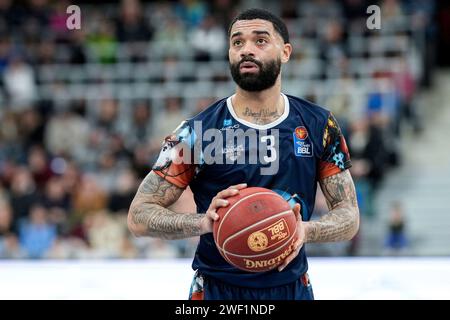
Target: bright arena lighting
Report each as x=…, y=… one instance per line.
x=332, y=278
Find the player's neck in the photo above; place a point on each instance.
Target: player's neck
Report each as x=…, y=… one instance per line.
x=261, y=107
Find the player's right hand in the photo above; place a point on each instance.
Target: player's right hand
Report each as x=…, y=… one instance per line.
x=217, y=202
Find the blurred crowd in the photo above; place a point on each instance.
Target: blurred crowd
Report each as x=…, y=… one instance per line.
x=74, y=143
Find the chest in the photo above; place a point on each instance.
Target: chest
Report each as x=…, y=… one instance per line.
x=258, y=156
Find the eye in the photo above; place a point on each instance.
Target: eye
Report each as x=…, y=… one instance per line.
x=237, y=42
x=261, y=41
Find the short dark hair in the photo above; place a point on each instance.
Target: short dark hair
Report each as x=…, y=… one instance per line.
x=262, y=14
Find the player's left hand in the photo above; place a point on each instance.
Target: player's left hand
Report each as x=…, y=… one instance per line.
x=297, y=245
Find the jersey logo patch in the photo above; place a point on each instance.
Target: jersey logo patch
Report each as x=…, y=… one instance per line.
x=302, y=144
x=301, y=133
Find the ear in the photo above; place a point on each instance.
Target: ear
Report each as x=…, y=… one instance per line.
x=286, y=54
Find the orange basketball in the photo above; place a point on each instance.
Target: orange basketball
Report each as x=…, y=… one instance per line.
x=256, y=230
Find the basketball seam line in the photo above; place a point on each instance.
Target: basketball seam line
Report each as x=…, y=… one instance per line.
x=254, y=256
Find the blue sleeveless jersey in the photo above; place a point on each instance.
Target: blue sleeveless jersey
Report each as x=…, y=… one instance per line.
x=305, y=142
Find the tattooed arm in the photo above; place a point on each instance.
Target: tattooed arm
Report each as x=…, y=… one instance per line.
x=341, y=223
x=148, y=215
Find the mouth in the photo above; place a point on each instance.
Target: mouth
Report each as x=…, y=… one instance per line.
x=248, y=66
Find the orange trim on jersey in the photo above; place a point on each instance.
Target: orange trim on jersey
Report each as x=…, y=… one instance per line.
x=327, y=169
x=198, y=295
x=178, y=174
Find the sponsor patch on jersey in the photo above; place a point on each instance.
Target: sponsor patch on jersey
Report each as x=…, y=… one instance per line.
x=228, y=124
x=302, y=144
x=301, y=133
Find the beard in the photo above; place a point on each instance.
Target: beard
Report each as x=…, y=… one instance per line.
x=259, y=81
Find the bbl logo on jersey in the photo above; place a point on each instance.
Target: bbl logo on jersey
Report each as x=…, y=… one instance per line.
x=302, y=145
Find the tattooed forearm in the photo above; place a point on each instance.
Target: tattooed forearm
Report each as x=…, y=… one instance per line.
x=339, y=224
x=162, y=223
x=342, y=222
x=148, y=215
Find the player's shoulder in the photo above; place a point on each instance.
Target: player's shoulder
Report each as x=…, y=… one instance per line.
x=307, y=108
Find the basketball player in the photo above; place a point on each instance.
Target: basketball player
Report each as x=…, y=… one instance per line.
x=304, y=138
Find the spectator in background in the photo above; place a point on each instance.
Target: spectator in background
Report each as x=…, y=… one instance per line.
x=143, y=156
x=140, y=129
x=32, y=128
x=133, y=29
x=36, y=234
x=171, y=117
x=123, y=192
x=70, y=178
x=208, y=41
x=107, y=116
x=355, y=13
x=224, y=11
x=10, y=247
x=288, y=9
x=56, y=200
x=396, y=241
x=36, y=19
x=201, y=103
x=77, y=51
x=107, y=171
x=96, y=144
x=376, y=150
x=39, y=166
x=23, y=194
x=57, y=21
x=5, y=51
x=66, y=134
x=131, y=25
x=118, y=150
x=171, y=37
x=9, y=17
x=393, y=14
x=103, y=42
x=191, y=12
x=316, y=13
x=45, y=53
x=89, y=196
x=105, y=234
x=19, y=83
x=6, y=218
x=406, y=86
x=332, y=48
x=10, y=147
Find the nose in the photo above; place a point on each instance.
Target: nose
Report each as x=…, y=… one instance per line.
x=247, y=50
